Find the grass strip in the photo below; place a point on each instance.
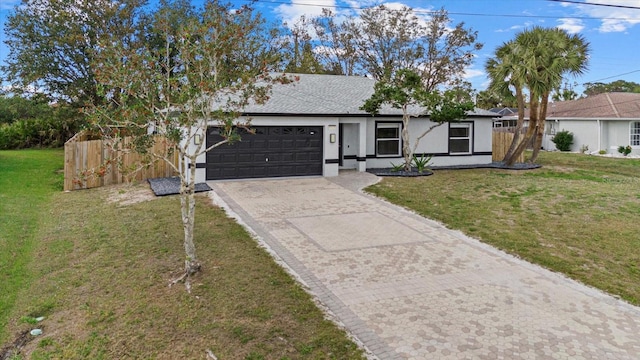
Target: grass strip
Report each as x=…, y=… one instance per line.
x=578, y=214
x=28, y=180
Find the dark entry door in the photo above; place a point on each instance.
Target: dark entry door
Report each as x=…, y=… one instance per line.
x=273, y=151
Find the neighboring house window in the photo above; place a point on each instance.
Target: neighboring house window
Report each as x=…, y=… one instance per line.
x=388, y=139
x=635, y=133
x=460, y=138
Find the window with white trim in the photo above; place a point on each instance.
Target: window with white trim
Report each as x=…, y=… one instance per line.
x=460, y=138
x=388, y=139
x=634, y=134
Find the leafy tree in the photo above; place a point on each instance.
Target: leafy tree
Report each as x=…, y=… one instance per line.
x=397, y=39
x=14, y=108
x=564, y=93
x=336, y=43
x=32, y=121
x=206, y=72
x=536, y=60
x=488, y=99
x=301, y=58
x=614, y=86
x=406, y=90
x=383, y=40
x=50, y=44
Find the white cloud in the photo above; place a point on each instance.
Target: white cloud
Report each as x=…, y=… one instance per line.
x=471, y=73
x=309, y=8
x=572, y=26
x=613, y=19
x=516, y=27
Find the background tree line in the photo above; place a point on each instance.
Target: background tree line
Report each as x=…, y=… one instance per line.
x=53, y=43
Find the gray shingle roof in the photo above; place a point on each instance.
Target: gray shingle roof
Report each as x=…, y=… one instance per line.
x=316, y=94
x=608, y=105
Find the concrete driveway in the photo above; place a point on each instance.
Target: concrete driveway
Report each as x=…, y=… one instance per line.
x=408, y=288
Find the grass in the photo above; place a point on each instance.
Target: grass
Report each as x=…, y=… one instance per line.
x=100, y=265
x=28, y=180
x=578, y=214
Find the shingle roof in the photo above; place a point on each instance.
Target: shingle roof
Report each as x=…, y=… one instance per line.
x=316, y=94
x=506, y=111
x=603, y=106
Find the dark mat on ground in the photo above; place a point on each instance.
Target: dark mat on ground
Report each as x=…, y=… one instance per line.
x=171, y=186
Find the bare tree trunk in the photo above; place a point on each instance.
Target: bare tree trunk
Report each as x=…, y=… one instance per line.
x=188, y=211
x=531, y=130
x=406, y=145
x=537, y=144
x=508, y=157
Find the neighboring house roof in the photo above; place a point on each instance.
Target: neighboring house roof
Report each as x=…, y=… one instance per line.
x=335, y=95
x=617, y=105
x=507, y=111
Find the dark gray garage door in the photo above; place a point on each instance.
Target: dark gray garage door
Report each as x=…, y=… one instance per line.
x=273, y=151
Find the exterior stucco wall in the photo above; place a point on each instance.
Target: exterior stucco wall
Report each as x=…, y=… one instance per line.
x=359, y=142
x=597, y=134
x=618, y=135
x=436, y=142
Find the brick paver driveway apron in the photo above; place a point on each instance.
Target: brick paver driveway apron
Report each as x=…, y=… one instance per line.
x=408, y=288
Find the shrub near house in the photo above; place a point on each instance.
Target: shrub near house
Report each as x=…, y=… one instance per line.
x=563, y=140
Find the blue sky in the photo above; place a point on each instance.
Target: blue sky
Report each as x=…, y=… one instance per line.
x=613, y=31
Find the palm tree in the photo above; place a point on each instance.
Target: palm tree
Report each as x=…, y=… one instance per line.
x=505, y=72
x=536, y=60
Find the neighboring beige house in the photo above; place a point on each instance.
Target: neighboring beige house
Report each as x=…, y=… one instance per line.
x=601, y=122
x=315, y=127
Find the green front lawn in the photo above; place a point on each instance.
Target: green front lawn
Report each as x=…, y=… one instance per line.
x=578, y=214
x=98, y=264
x=28, y=181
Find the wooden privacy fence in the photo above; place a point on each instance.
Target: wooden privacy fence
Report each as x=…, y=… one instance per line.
x=501, y=141
x=92, y=163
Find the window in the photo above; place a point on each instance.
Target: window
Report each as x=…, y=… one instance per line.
x=634, y=139
x=388, y=139
x=460, y=138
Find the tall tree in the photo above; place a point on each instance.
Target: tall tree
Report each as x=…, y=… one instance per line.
x=564, y=92
x=505, y=67
x=407, y=91
x=300, y=56
x=336, y=43
x=596, y=88
x=397, y=39
x=206, y=71
x=50, y=44
x=536, y=60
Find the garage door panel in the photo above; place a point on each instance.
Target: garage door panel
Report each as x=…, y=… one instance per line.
x=288, y=144
x=271, y=152
x=274, y=144
x=225, y=158
x=258, y=143
x=246, y=158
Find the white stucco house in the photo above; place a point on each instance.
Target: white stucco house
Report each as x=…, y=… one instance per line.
x=315, y=127
x=601, y=122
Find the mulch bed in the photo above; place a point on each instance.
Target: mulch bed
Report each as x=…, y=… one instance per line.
x=414, y=172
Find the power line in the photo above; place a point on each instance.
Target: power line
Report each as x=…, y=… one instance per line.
x=428, y=12
x=596, y=4
x=611, y=77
